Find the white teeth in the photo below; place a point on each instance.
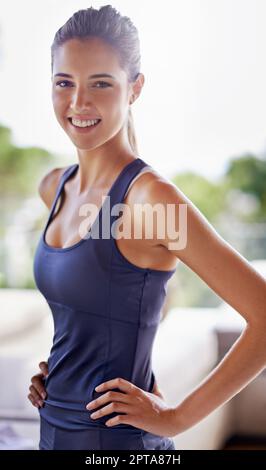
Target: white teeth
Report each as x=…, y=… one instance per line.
x=78, y=123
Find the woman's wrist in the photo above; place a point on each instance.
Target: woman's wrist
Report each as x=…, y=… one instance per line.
x=178, y=420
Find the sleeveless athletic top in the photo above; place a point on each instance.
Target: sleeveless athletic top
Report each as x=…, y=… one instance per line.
x=105, y=309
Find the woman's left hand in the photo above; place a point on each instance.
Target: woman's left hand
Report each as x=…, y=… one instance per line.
x=141, y=409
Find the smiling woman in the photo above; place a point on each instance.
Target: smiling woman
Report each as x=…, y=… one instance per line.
x=106, y=293
x=105, y=297
x=81, y=52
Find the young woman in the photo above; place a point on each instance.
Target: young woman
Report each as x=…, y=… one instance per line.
x=106, y=292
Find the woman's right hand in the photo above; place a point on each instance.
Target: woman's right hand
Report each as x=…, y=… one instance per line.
x=37, y=390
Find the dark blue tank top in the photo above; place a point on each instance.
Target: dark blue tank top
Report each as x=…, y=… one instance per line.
x=105, y=309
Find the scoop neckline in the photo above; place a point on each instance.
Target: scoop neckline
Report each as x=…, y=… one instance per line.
x=97, y=219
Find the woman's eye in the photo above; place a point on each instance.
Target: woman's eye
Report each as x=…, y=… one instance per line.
x=67, y=82
x=105, y=83
x=62, y=81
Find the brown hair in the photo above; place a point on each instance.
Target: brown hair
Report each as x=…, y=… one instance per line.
x=118, y=31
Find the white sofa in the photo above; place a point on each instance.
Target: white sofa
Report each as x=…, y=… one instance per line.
x=185, y=350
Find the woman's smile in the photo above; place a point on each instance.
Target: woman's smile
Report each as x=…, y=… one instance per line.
x=85, y=129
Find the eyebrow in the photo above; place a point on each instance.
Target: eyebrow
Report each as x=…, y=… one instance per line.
x=96, y=75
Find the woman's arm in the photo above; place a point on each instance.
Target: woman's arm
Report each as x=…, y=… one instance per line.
x=231, y=276
x=244, y=361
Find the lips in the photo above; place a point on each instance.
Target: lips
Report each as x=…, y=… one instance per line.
x=83, y=117
x=84, y=129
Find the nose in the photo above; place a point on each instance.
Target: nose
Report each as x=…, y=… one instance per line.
x=80, y=99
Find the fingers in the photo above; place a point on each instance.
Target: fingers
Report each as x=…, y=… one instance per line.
x=118, y=382
x=37, y=389
x=38, y=385
x=34, y=397
x=30, y=397
x=111, y=408
x=44, y=367
x=108, y=396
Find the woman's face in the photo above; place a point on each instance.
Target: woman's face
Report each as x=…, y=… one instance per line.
x=78, y=93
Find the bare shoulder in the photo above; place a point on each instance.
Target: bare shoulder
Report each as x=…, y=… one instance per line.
x=48, y=185
x=151, y=187
x=155, y=194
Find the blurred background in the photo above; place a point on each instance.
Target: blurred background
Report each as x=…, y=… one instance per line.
x=200, y=122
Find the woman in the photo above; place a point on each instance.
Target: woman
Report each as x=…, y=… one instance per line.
x=106, y=292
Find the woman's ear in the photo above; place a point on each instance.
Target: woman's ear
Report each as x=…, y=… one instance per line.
x=137, y=87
